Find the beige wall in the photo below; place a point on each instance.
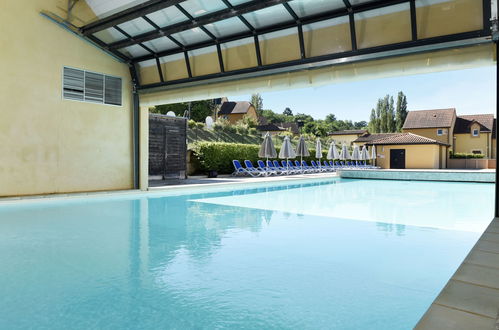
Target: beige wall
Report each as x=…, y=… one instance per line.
x=431, y=133
x=345, y=138
x=416, y=156
x=47, y=144
x=467, y=143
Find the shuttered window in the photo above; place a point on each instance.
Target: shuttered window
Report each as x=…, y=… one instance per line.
x=81, y=85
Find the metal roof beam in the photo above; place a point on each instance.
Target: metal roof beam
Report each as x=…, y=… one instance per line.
x=198, y=22
x=282, y=26
x=129, y=14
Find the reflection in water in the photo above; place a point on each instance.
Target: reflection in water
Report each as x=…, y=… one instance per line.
x=398, y=229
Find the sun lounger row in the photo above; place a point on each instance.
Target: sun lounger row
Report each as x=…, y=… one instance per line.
x=288, y=167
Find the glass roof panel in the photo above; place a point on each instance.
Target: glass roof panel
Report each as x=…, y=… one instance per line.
x=110, y=35
x=202, y=7
x=305, y=8
x=136, y=26
x=359, y=2
x=237, y=43
x=147, y=63
x=109, y=7
x=190, y=37
x=227, y=27
x=382, y=11
x=278, y=34
x=167, y=16
x=134, y=51
x=239, y=2
x=160, y=44
x=171, y=58
x=326, y=23
x=268, y=16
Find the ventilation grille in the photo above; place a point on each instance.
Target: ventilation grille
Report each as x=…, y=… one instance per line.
x=81, y=85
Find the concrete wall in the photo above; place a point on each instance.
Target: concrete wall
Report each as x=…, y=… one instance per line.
x=467, y=142
x=47, y=144
x=472, y=163
x=416, y=156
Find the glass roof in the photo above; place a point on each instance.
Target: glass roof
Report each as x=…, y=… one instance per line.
x=227, y=27
x=382, y=11
x=311, y=7
x=136, y=26
x=167, y=16
x=134, y=51
x=110, y=35
x=268, y=16
x=191, y=36
x=160, y=44
x=202, y=7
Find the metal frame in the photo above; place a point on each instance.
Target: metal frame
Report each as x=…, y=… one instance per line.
x=297, y=22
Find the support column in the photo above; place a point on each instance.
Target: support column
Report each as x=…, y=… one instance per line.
x=144, y=148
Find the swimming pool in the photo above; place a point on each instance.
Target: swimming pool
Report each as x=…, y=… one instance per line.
x=336, y=253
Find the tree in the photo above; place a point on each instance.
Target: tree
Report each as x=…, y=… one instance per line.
x=372, y=127
x=257, y=101
x=401, y=112
x=390, y=124
x=287, y=112
x=360, y=124
x=377, y=123
x=303, y=117
x=331, y=118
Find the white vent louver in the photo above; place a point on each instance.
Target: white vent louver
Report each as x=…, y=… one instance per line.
x=81, y=85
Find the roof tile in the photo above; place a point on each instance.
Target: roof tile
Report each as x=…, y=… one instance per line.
x=429, y=118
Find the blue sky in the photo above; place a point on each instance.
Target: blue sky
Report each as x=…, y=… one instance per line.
x=470, y=91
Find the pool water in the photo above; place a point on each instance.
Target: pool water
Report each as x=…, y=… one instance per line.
x=330, y=254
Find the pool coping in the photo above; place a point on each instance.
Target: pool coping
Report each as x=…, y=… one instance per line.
x=152, y=191
x=470, y=299
x=448, y=175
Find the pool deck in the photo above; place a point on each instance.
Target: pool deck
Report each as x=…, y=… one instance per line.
x=470, y=300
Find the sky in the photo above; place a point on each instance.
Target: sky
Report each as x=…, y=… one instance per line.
x=470, y=91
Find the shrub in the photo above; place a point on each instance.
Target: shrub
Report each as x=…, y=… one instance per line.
x=252, y=131
x=191, y=123
x=241, y=128
x=463, y=155
x=218, y=156
x=199, y=125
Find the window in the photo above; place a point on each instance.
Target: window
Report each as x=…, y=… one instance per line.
x=476, y=152
x=440, y=131
x=475, y=132
x=86, y=86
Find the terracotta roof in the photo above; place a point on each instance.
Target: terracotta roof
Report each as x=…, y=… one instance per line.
x=349, y=132
x=371, y=137
x=269, y=128
x=429, y=118
x=463, y=123
x=234, y=107
x=405, y=138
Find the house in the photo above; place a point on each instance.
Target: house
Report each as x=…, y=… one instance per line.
x=347, y=136
x=435, y=124
x=409, y=151
x=290, y=127
x=235, y=111
x=273, y=129
x=464, y=134
x=475, y=134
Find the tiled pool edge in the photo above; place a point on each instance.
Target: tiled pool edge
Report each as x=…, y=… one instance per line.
x=247, y=182
x=470, y=300
x=421, y=175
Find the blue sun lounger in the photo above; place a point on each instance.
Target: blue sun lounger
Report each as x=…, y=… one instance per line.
x=240, y=170
x=262, y=166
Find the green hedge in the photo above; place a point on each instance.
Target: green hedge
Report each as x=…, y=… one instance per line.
x=218, y=156
x=463, y=155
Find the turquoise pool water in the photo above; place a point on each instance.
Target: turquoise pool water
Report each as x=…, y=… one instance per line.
x=343, y=254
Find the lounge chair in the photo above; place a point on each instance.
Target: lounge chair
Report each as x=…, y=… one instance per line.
x=262, y=166
x=240, y=170
x=250, y=167
x=290, y=166
x=318, y=166
x=309, y=168
x=328, y=166
x=278, y=168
